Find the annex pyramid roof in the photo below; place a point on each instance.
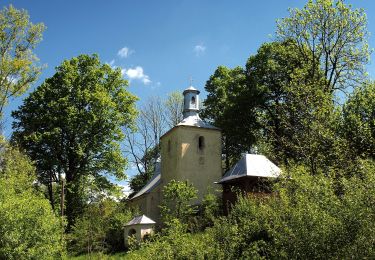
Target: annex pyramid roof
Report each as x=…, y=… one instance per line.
x=255, y=165
x=140, y=220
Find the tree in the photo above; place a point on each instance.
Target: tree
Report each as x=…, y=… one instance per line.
x=281, y=108
x=18, y=39
x=155, y=117
x=100, y=227
x=142, y=142
x=71, y=125
x=359, y=121
x=296, y=114
x=330, y=36
x=174, y=106
x=177, y=198
x=28, y=226
x=226, y=108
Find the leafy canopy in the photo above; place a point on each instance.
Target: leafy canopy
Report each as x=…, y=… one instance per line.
x=331, y=36
x=18, y=38
x=72, y=124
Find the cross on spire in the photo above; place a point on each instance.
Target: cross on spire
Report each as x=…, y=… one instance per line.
x=191, y=80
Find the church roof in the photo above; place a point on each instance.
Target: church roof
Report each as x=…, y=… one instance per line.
x=140, y=220
x=252, y=165
x=197, y=122
x=191, y=89
x=151, y=184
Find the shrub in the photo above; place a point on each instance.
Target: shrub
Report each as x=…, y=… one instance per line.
x=306, y=218
x=28, y=227
x=100, y=228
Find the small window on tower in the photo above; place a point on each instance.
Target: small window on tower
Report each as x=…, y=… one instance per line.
x=193, y=100
x=201, y=143
x=169, y=146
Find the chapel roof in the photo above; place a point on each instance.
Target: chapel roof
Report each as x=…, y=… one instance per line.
x=255, y=165
x=140, y=220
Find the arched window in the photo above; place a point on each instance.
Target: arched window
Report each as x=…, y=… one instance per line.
x=193, y=100
x=201, y=143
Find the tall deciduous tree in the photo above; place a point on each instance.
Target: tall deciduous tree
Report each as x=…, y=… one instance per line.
x=359, y=121
x=174, y=106
x=276, y=103
x=155, y=117
x=18, y=38
x=332, y=36
x=72, y=124
x=142, y=143
x=295, y=112
x=229, y=110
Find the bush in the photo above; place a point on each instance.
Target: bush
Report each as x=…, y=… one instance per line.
x=100, y=228
x=306, y=218
x=28, y=227
x=177, y=198
x=176, y=244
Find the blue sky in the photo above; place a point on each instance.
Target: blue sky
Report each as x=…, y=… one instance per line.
x=166, y=41
x=158, y=44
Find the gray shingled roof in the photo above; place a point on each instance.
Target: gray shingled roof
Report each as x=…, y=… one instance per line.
x=140, y=220
x=197, y=122
x=252, y=165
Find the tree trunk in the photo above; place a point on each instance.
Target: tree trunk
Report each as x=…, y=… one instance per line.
x=74, y=205
x=50, y=192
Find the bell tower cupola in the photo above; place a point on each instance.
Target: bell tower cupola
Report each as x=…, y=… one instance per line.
x=191, y=102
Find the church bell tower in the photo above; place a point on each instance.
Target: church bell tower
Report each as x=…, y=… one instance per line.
x=191, y=151
x=191, y=102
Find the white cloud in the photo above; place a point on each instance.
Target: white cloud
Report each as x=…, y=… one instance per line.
x=199, y=49
x=136, y=73
x=125, y=52
x=125, y=189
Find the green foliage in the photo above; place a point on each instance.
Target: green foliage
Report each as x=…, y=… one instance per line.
x=226, y=108
x=294, y=111
x=138, y=181
x=281, y=105
x=100, y=228
x=28, y=227
x=72, y=124
x=210, y=209
x=359, y=121
x=307, y=218
x=177, y=198
x=18, y=38
x=176, y=244
x=332, y=36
